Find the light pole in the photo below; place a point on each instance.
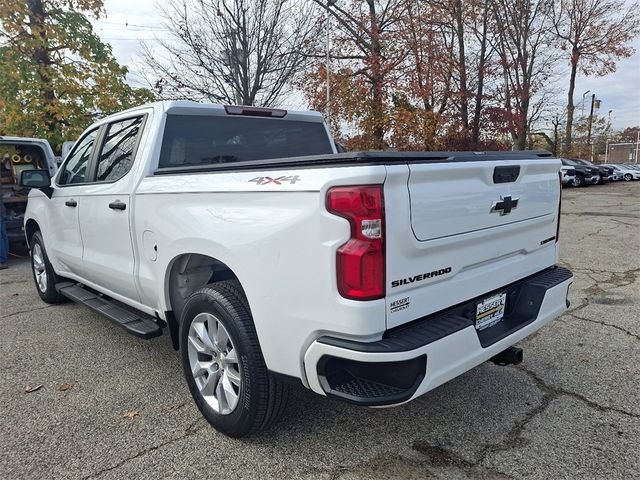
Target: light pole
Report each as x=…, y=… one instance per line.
x=606, y=148
x=594, y=103
x=583, y=95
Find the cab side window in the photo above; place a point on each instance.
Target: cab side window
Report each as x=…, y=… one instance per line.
x=76, y=168
x=118, y=149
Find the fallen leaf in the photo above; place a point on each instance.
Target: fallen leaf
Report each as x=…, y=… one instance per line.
x=131, y=414
x=173, y=407
x=65, y=386
x=30, y=389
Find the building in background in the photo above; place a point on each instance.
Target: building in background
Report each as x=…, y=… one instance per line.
x=622, y=152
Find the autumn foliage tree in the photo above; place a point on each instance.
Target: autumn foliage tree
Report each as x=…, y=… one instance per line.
x=57, y=73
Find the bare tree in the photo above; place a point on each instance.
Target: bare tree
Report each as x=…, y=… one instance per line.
x=524, y=42
x=233, y=51
x=596, y=33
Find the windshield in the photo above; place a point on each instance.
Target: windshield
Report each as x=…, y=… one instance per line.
x=584, y=162
x=573, y=163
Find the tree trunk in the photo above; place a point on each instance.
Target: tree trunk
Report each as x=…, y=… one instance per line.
x=40, y=56
x=462, y=65
x=377, y=79
x=570, y=107
x=475, y=132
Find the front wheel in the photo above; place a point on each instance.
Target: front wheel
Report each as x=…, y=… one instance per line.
x=628, y=177
x=223, y=363
x=578, y=181
x=43, y=275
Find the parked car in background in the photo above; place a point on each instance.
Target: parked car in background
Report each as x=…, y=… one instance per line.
x=606, y=172
x=627, y=173
x=568, y=173
x=585, y=175
x=18, y=154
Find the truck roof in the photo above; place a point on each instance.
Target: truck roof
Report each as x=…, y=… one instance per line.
x=188, y=107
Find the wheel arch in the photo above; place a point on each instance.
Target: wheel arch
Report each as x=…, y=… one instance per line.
x=30, y=227
x=184, y=274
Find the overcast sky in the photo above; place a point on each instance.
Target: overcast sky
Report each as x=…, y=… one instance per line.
x=128, y=22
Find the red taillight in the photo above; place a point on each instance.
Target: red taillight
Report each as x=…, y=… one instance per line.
x=360, y=262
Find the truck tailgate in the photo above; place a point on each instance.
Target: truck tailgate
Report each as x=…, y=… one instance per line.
x=450, y=199
x=457, y=230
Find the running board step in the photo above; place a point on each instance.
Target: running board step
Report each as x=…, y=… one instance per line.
x=137, y=324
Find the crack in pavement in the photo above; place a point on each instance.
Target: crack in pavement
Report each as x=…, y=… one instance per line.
x=616, y=279
x=513, y=438
x=26, y=311
x=190, y=430
x=600, y=322
x=441, y=457
x=602, y=214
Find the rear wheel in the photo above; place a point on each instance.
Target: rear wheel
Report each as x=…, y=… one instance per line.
x=223, y=363
x=43, y=275
x=628, y=177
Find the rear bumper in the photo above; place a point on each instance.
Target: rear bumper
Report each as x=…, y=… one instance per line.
x=411, y=360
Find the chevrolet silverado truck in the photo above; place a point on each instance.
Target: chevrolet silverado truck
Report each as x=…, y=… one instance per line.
x=269, y=258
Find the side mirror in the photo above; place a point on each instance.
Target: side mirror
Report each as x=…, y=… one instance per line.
x=39, y=179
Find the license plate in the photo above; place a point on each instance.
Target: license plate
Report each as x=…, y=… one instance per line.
x=490, y=311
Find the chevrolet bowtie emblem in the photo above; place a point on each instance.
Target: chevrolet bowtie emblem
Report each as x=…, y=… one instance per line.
x=505, y=205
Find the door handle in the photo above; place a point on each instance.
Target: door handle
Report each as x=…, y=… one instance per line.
x=117, y=205
x=71, y=203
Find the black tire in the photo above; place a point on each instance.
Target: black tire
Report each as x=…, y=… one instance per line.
x=628, y=177
x=578, y=181
x=47, y=286
x=261, y=398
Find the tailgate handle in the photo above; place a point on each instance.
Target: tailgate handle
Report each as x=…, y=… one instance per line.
x=506, y=174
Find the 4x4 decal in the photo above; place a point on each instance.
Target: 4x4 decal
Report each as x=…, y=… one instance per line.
x=292, y=179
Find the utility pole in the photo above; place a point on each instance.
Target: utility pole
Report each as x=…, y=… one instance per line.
x=637, y=144
x=327, y=107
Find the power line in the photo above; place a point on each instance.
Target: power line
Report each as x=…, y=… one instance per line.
x=127, y=25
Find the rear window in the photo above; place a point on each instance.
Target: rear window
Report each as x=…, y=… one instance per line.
x=206, y=140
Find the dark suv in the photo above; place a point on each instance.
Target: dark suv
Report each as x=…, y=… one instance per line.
x=585, y=175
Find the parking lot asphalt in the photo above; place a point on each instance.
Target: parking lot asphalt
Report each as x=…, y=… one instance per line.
x=114, y=406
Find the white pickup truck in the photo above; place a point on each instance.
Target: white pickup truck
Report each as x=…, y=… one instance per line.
x=269, y=258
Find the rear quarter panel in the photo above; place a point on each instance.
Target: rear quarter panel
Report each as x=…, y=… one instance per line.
x=278, y=240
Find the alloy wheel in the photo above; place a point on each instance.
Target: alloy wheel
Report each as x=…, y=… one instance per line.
x=39, y=267
x=214, y=363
